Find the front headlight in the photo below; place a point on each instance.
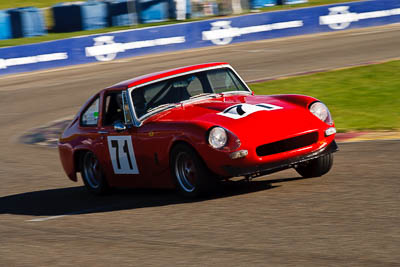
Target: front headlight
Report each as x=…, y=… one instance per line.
x=321, y=111
x=217, y=137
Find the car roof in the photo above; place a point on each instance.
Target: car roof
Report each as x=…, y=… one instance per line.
x=163, y=74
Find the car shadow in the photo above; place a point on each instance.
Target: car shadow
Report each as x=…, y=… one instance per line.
x=76, y=200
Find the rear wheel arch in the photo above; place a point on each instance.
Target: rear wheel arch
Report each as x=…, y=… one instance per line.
x=92, y=173
x=78, y=154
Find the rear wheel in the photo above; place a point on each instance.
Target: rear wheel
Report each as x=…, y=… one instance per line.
x=316, y=167
x=92, y=175
x=192, y=178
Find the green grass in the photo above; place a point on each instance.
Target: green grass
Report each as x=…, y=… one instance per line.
x=360, y=98
x=56, y=36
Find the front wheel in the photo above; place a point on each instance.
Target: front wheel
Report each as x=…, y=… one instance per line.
x=192, y=178
x=92, y=175
x=316, y=167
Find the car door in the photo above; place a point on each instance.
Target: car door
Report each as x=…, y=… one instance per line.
x=119, y=144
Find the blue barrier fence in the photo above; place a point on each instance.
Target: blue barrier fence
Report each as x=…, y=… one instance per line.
x=76, y=16
x=26, y=22
x=5, y=25
x=111, y=46
x=120, y=12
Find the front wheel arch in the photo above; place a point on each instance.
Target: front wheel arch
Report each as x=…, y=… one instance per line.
x=183, y=142
x=205, y=181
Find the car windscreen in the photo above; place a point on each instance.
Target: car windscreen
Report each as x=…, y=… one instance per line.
x=175, y=90
x=224, y=80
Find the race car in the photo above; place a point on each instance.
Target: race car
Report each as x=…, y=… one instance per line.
x=191, y=127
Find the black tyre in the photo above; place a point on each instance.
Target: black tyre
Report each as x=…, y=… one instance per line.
x=92, y=175
x=316, y=167
x=192, y=177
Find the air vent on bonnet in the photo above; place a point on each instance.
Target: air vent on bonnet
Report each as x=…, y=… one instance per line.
x=287, y=144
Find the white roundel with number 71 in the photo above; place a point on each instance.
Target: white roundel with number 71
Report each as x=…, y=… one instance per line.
x=122, y=155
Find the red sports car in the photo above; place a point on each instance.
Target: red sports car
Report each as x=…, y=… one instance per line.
x=190, y=127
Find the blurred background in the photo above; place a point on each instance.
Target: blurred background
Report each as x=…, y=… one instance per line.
x=27, y=18
x=346, y=54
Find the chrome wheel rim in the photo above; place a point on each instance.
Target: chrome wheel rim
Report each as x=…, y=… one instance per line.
x=185, y=171
x=91, y=170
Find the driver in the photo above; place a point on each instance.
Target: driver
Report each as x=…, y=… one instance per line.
x=140, y=102
x=118, y=116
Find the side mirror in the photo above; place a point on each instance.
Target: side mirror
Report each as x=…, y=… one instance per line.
x=119, y=127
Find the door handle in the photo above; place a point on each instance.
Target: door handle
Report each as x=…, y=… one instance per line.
x=102, y=132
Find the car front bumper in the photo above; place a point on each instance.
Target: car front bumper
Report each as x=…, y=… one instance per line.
x=270, y=167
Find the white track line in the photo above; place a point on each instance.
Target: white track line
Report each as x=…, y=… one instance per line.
x=71, y=213
x=47, y=218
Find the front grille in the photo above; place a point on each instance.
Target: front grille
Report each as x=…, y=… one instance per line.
x=287, y=144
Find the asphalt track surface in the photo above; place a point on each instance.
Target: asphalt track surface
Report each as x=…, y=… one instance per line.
x=350, y=217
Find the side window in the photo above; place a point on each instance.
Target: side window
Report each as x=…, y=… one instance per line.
x=113, y=109
x=90, y=116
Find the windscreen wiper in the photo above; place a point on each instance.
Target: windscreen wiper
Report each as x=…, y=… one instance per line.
x=163, y=106
x=204, y=94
